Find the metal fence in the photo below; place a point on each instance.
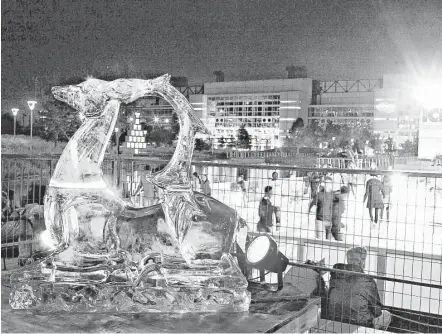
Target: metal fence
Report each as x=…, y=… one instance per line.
x=396, y=216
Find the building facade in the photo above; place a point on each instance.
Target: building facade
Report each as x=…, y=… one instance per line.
x=363, y=103
x=266, y=108
x=430, y=133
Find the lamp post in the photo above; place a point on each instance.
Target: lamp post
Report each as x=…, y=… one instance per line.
x=117, y=139
x=31, y=105
x=118, y=164
x=15, y=112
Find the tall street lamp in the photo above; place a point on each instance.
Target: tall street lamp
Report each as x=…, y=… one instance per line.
x=31, y=105
x=15, y=112
x=117, y=139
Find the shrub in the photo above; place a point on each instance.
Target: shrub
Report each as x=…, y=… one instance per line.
x=21, y=144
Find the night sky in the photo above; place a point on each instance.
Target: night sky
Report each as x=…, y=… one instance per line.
x=334, y=39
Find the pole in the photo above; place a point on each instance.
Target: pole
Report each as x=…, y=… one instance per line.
x=117, y=138
x=15, y=122
x=32, y=114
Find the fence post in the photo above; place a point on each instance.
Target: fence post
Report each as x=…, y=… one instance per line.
x=114, y=175
x=300, y=252
x=381, y=270
x=50, y=168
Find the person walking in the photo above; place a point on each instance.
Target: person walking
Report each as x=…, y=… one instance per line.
x=196, y=181
x=205, y=185
x=242, y=186
x=352, y=179
x=387, y=186
x=339, y=209
x=374, y=193
x=149, y=192
x=315, y=179
x=266, y=211
x=324, y=208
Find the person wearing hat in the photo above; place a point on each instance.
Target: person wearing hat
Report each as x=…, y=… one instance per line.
x=355, y=298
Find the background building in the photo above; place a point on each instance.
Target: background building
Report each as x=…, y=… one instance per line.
x=430, y=133
x=356, y=103
x=267, y=109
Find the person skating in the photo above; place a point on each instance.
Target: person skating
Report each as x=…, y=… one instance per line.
x=150, y=196
x=324, y=208
x=387, y=186
x=339, y=209
x=374, y=194
x=196, y=182
x=266, y=211
x=205, y=185
x=242, y=185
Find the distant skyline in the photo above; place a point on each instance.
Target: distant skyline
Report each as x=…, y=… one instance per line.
x=334, y=39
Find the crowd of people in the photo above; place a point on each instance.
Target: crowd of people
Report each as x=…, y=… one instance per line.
x=331, y=203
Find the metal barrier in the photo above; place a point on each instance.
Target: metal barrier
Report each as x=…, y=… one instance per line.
x=262, y=154
x=365, y=163
x=403, y=240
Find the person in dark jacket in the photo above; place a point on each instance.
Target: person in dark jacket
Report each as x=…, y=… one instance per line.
x=374, y=193
x=196, y=181
x=354, y=298
x=315, y=180
x=205, y=185
x=324, y=208
x=266, y=211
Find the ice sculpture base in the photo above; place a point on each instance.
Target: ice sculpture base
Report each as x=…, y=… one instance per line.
x=110, y=299
x=269, y=317
x=210, y=286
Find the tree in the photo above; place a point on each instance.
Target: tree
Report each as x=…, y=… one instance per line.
x=243, y=138
x=222, y=142
x=58, y=121
x=389, y=145
x=161, y=136
x=231, y=142
x=7, y=125
x=201, y=145
x=303, y=137
x=410, y=148
x=297, y=125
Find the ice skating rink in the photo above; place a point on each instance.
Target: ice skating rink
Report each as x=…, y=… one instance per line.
x=409, y=246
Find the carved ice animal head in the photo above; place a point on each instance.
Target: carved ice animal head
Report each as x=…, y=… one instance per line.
x=90, y=96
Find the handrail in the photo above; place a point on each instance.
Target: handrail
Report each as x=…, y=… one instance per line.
x=228, y=163
x=355, y=273
x=374, y=249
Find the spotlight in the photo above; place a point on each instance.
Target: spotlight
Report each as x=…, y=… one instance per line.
x=262, y=253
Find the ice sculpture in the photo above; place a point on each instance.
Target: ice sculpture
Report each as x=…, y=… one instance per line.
x=174, y=256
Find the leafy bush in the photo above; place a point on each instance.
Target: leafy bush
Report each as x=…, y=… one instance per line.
x=21, y=144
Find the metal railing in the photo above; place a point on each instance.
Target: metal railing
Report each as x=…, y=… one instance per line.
x=404, y=248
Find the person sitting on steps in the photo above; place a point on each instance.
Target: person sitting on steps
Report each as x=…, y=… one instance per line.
x=354, y=298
